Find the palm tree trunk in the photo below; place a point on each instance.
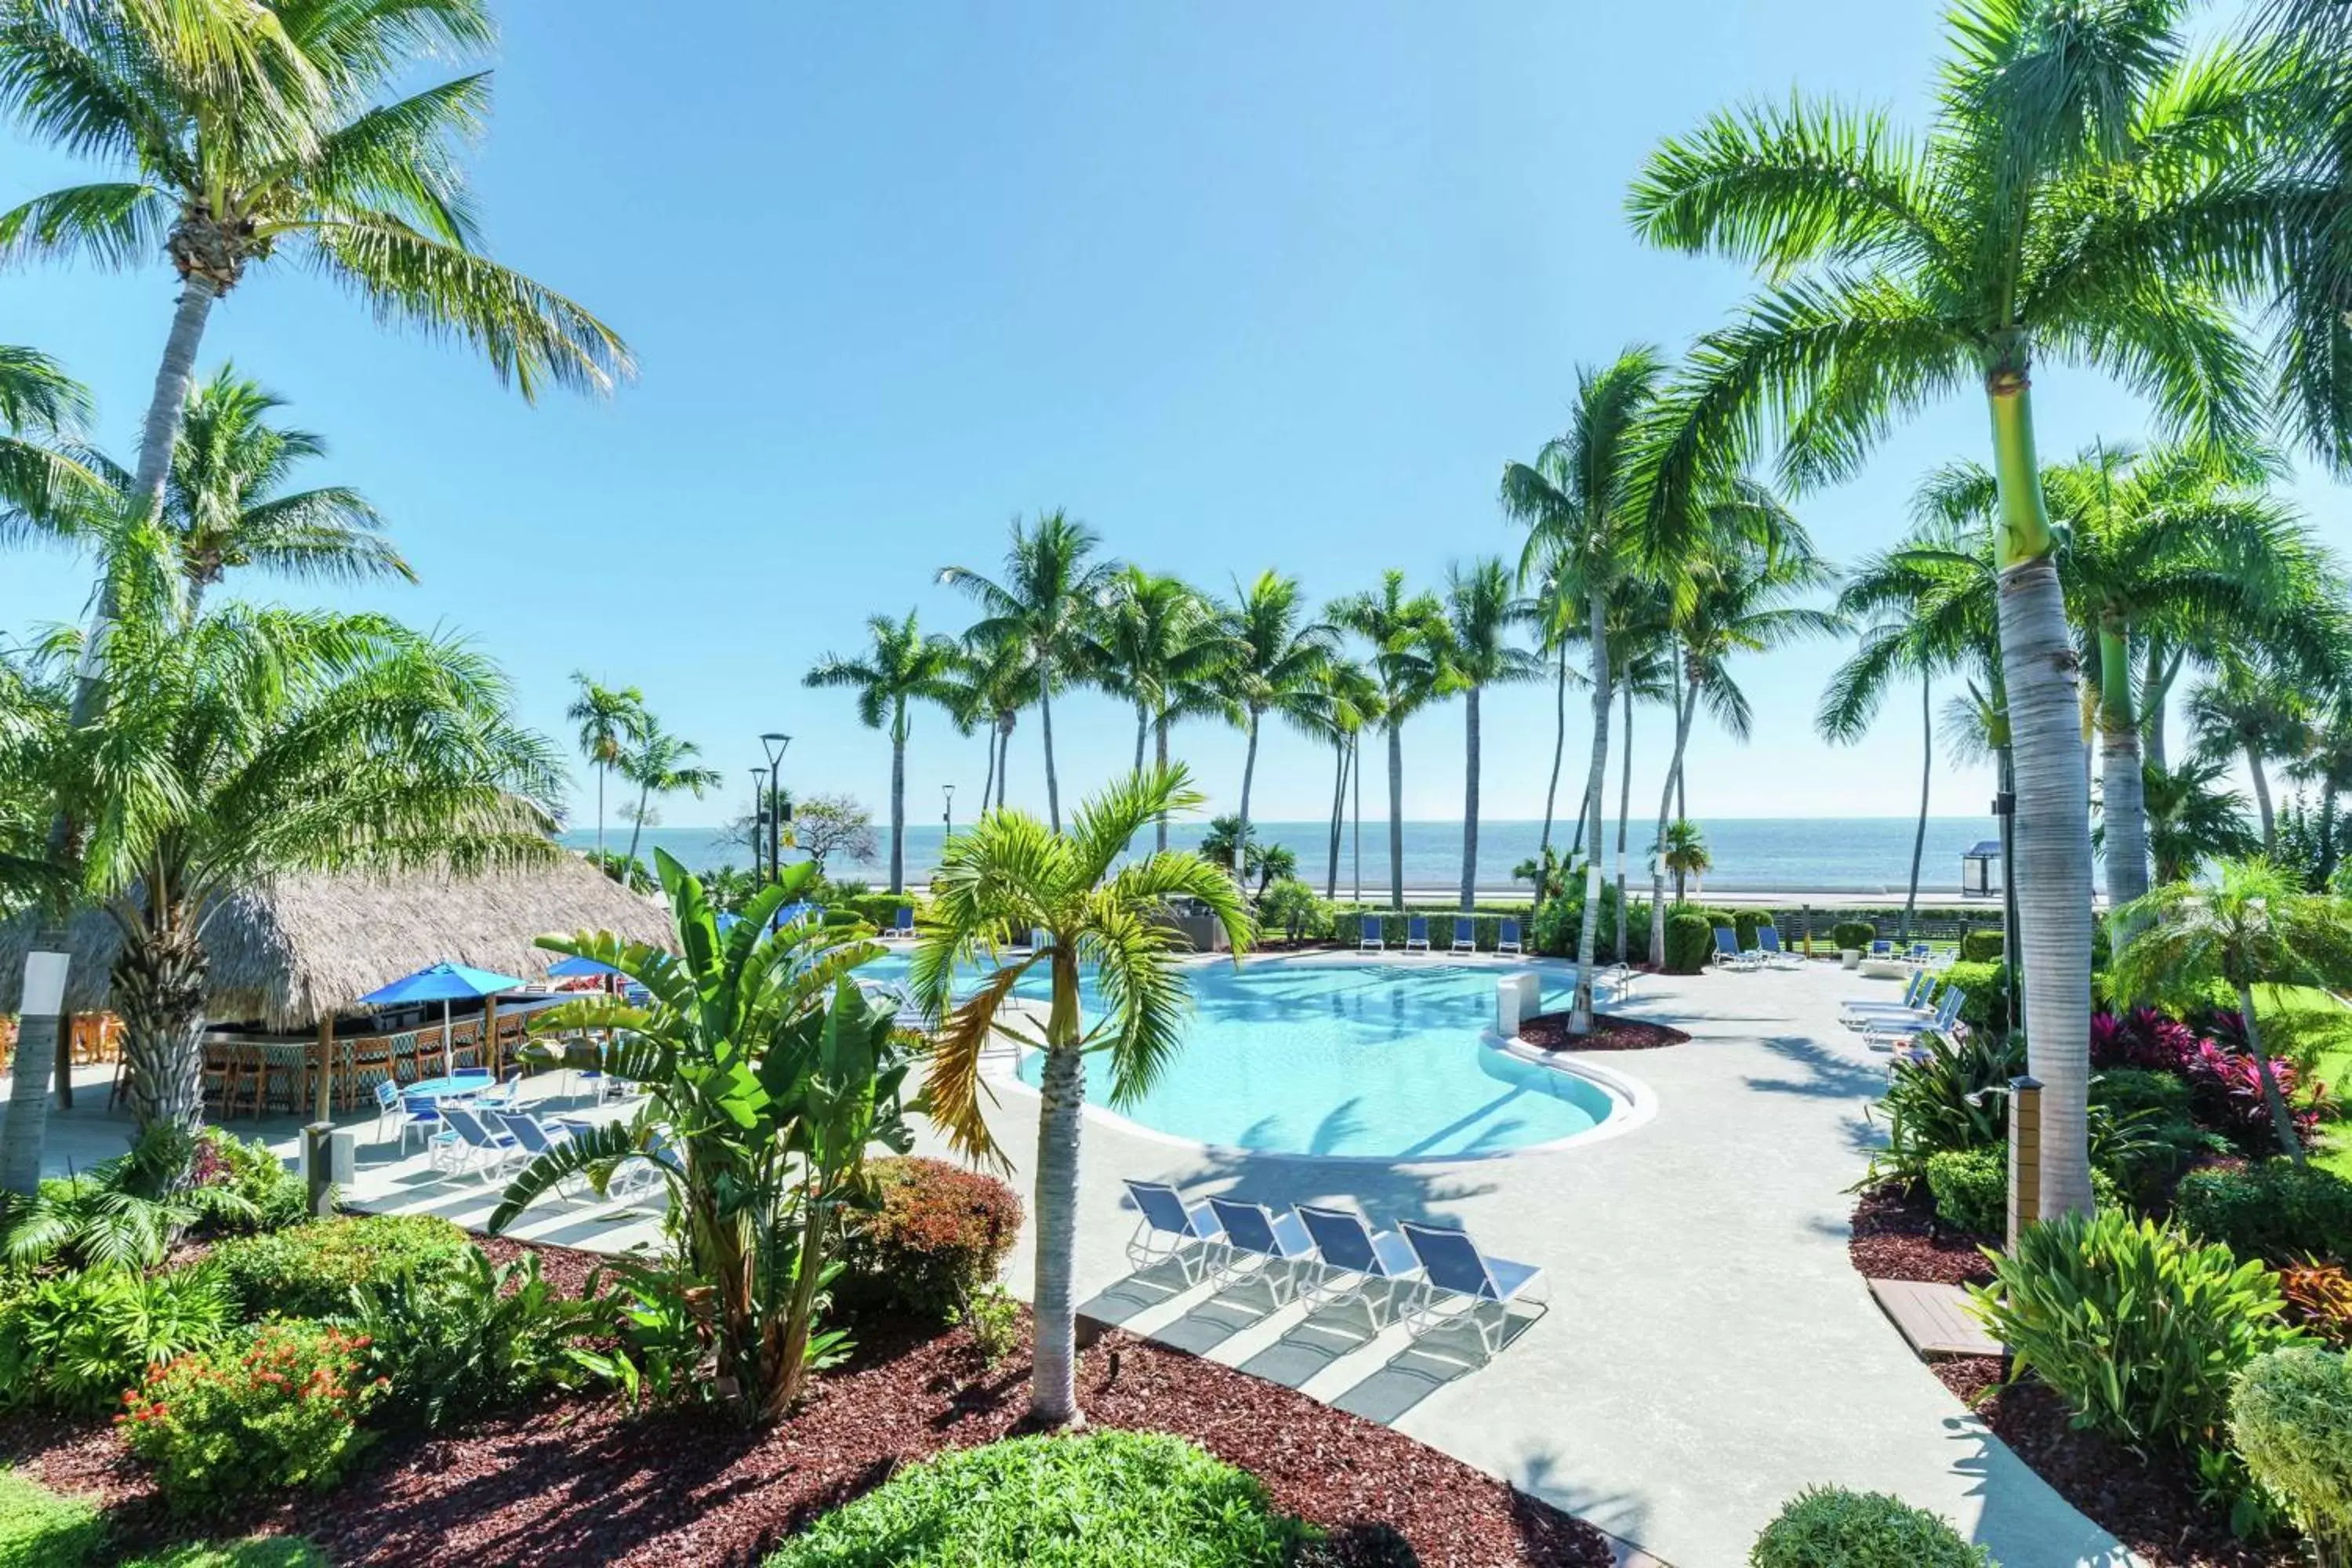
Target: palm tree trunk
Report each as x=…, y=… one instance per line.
x=2043, y=677
x=1061, y=1118
x=1396, y=817
x=1624, y=810
x=1580, y=1018
x=1470, y=803
x=2154, y=691
x=158, y=988
x=1142, y=732
x=1338, y=816
x=2262, y=799
x=1249, y=776
x=2123, y=789
x=2282, y=1122
x=988, y=780
x=1160, y=739
x=1558, y=751
x=1684, y=710
x=1926, y=778
x=1046, y=720
x=1356, y=783
x=899, y=800
x=637, y=823
x=46, y=962
x=600, y=816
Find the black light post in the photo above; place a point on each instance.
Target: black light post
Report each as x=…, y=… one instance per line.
x=775, y=744
x=759, y=821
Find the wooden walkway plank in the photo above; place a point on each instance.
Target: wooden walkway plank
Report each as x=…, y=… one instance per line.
x=1935, y=1319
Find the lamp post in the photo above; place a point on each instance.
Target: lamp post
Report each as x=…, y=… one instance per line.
x=776, y=745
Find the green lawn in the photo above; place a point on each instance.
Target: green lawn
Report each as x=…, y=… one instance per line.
x=2320, y=1025
x=40, y=1529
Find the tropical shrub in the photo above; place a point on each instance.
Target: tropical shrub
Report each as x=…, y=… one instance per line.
x=1986, y=1006
x=1972, y=1189
x=2291, y=1421
x=240, y=1188
x=2142, y=1038
x=1559, y=923
x=1291, y=908
x=276, y=1410
x=2137, y=1091
x=310, y=1270
x=1828, y=1527
x=1105, y=1498
x=1981, y=946
x=1690, y=941
x=75, y=1341
x=2319, y=1297
x=994, y=1318
x=1853, y=936
x=2226, y=1091
x=2276, y=1210
x=937, y=1240
x=40, y=1529
x=2137, y=1327
x=463, y=1339
x=120, y=1213
x=1954, y=1096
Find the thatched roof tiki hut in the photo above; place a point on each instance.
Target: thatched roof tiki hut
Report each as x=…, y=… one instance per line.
x=292, y=955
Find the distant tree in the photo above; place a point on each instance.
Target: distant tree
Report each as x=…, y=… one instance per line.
x=825, y=826
x=1476, y=648
x=611, y=720
x=1276, y=665
x=1398, y=625
x=2249, y=711
x=899, y=665
x=1683, y=853
x=660, y=763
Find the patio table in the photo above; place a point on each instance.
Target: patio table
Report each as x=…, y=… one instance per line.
x=439, y=1088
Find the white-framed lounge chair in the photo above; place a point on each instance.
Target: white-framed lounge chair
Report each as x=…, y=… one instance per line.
x=1256, y=1240
x=1367, y=935
x=1728, y=953
x=1775, y=956
x=1865, y=1015
x=466, y=1145
x=1507, y=938
x=1885, y=1034
x=1465, y=935
x=393, y=1114
x=1916, y=990
x=533, y=1138
x=1354, y=1258
x=1416, y=933
x=1460, y=1283
x=1170, y=1230
x=1883, y=948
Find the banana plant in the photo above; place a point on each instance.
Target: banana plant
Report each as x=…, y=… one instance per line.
x=768, y=1077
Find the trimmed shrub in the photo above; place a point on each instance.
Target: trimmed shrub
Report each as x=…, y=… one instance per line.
x=935, y=1244
x=1853, y=936
x=1980, y=946
x=1555, y=928
x=1972, y=1189
x=2291, y=1421
x=2138, y=1328
x=75, y=1341
x=2130, y=1091
x=2277, y=1211
x=1291, y=910
x=309, y=1270
x=1107, y=1497
x=40, y=1529
x=1690, y=941
x=279, y=1411
x=1746, y=923
x=1828, y=1527
x=1987, y=1007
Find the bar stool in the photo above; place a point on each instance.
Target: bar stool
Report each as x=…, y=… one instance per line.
x=365, y=1060
x=242, y=1074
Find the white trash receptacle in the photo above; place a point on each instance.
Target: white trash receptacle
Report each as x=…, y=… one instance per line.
x=1518, y=998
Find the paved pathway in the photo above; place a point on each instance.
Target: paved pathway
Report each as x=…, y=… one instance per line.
x=1708, y=1352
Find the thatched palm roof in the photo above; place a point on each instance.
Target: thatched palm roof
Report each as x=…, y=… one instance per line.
x=303, y=947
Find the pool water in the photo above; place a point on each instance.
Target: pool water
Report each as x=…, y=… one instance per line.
x=1345, y=1058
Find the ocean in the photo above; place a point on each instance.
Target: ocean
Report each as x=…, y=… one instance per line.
x=1869, y=855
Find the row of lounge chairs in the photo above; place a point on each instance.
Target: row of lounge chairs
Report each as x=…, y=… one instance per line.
x=1899, y=1025
x=1507, y=944
x=1768, y=952
x=1429, y=1277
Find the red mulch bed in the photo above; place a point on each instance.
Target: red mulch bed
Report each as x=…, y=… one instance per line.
x=1896, y=1235
x=585, y=1481
x=1609, y=1033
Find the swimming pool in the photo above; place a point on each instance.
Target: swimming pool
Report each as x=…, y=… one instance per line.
x=1364, y=1059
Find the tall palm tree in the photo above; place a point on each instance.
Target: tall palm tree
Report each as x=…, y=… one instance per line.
x=1580, y=501
x=900, y=665
x=2250, y=711
x=1474, y=650
x=1051, y=586
x=612, y=719
x=41, y=485
x=2194, y=816
x=1399, y=626
x=2072, y=202
x=1152, y=636
x=1351, y=703
x=985, y=687
x=1558, y=614
x=1277, y=665
x=240, y=133
x=1005, y=876
x=661, y=763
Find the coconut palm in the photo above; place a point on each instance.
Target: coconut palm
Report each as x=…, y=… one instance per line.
x=900, y=665
x=984, y=688
x=1051, y=586
x=2252, y=925
x=1682, y=850
x=1009, y=874
x=661, y=763
x=1643, y=670
x=612, y=719
x=1277, y=665
x=41, y=485
x=1557, y=615
x=2194, y=816
x=1474, y=649
x=1399, y=626
x=2070, y=202
x=1152, y=636
x=2247, y=710
x=1352, y=703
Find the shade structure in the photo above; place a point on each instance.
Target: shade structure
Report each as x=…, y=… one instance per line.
x=445, y=983
x=576, y=968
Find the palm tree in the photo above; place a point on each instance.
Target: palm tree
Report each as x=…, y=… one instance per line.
x=662, y=763
x=1682, y=850
x=2247, y=710
x=1578, y=500
x=2192, y=817
x=900, y=665
x=1558, y=613
x=1399, y=626
x=1351, y=701
x=1009, y=874
x=1642, y=669
x=612, y=719
x=2254, y=925
x=41, y=484
x=984, y=688
x=1151, y=635
x=1052, y=586
x=1473, y=645
x=1276, y=665
x=2071, y=202
x=248, y=132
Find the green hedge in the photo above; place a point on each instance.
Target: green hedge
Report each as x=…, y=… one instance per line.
x=40, y=1529
x=1746, y=923
x=307, y=1271
x=1980, y=946
x=1828, y=1527
x=1853, y=936
x=2276, y=1210
x=1690, y=941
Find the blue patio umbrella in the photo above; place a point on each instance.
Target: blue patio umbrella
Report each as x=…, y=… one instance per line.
x=445, y=983
x=575, y=968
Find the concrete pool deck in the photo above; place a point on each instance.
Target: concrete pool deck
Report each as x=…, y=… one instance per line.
x=1708, y=1350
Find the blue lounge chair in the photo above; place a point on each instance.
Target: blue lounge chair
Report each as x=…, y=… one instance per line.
x=466, y=1145
x=1465, y=935
x=1886, y=1033
x=1882, y=948
x=420, y=1113
x=1169, y=1230
x=1460, y=1283
x=1354, y=1258
x=905, y=926
x=391, y=1108
x=1507, y=938
x=1256, y=1240
x=1367, y=935
x=1856, y=1010
x=1768, y=942
x=1416, y=933
x=533, y=1138
x=1726, y=949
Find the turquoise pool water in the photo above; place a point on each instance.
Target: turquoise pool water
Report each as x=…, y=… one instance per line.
x=1362, y=1059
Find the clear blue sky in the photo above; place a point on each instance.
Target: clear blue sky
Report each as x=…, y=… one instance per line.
x=1242, y=286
